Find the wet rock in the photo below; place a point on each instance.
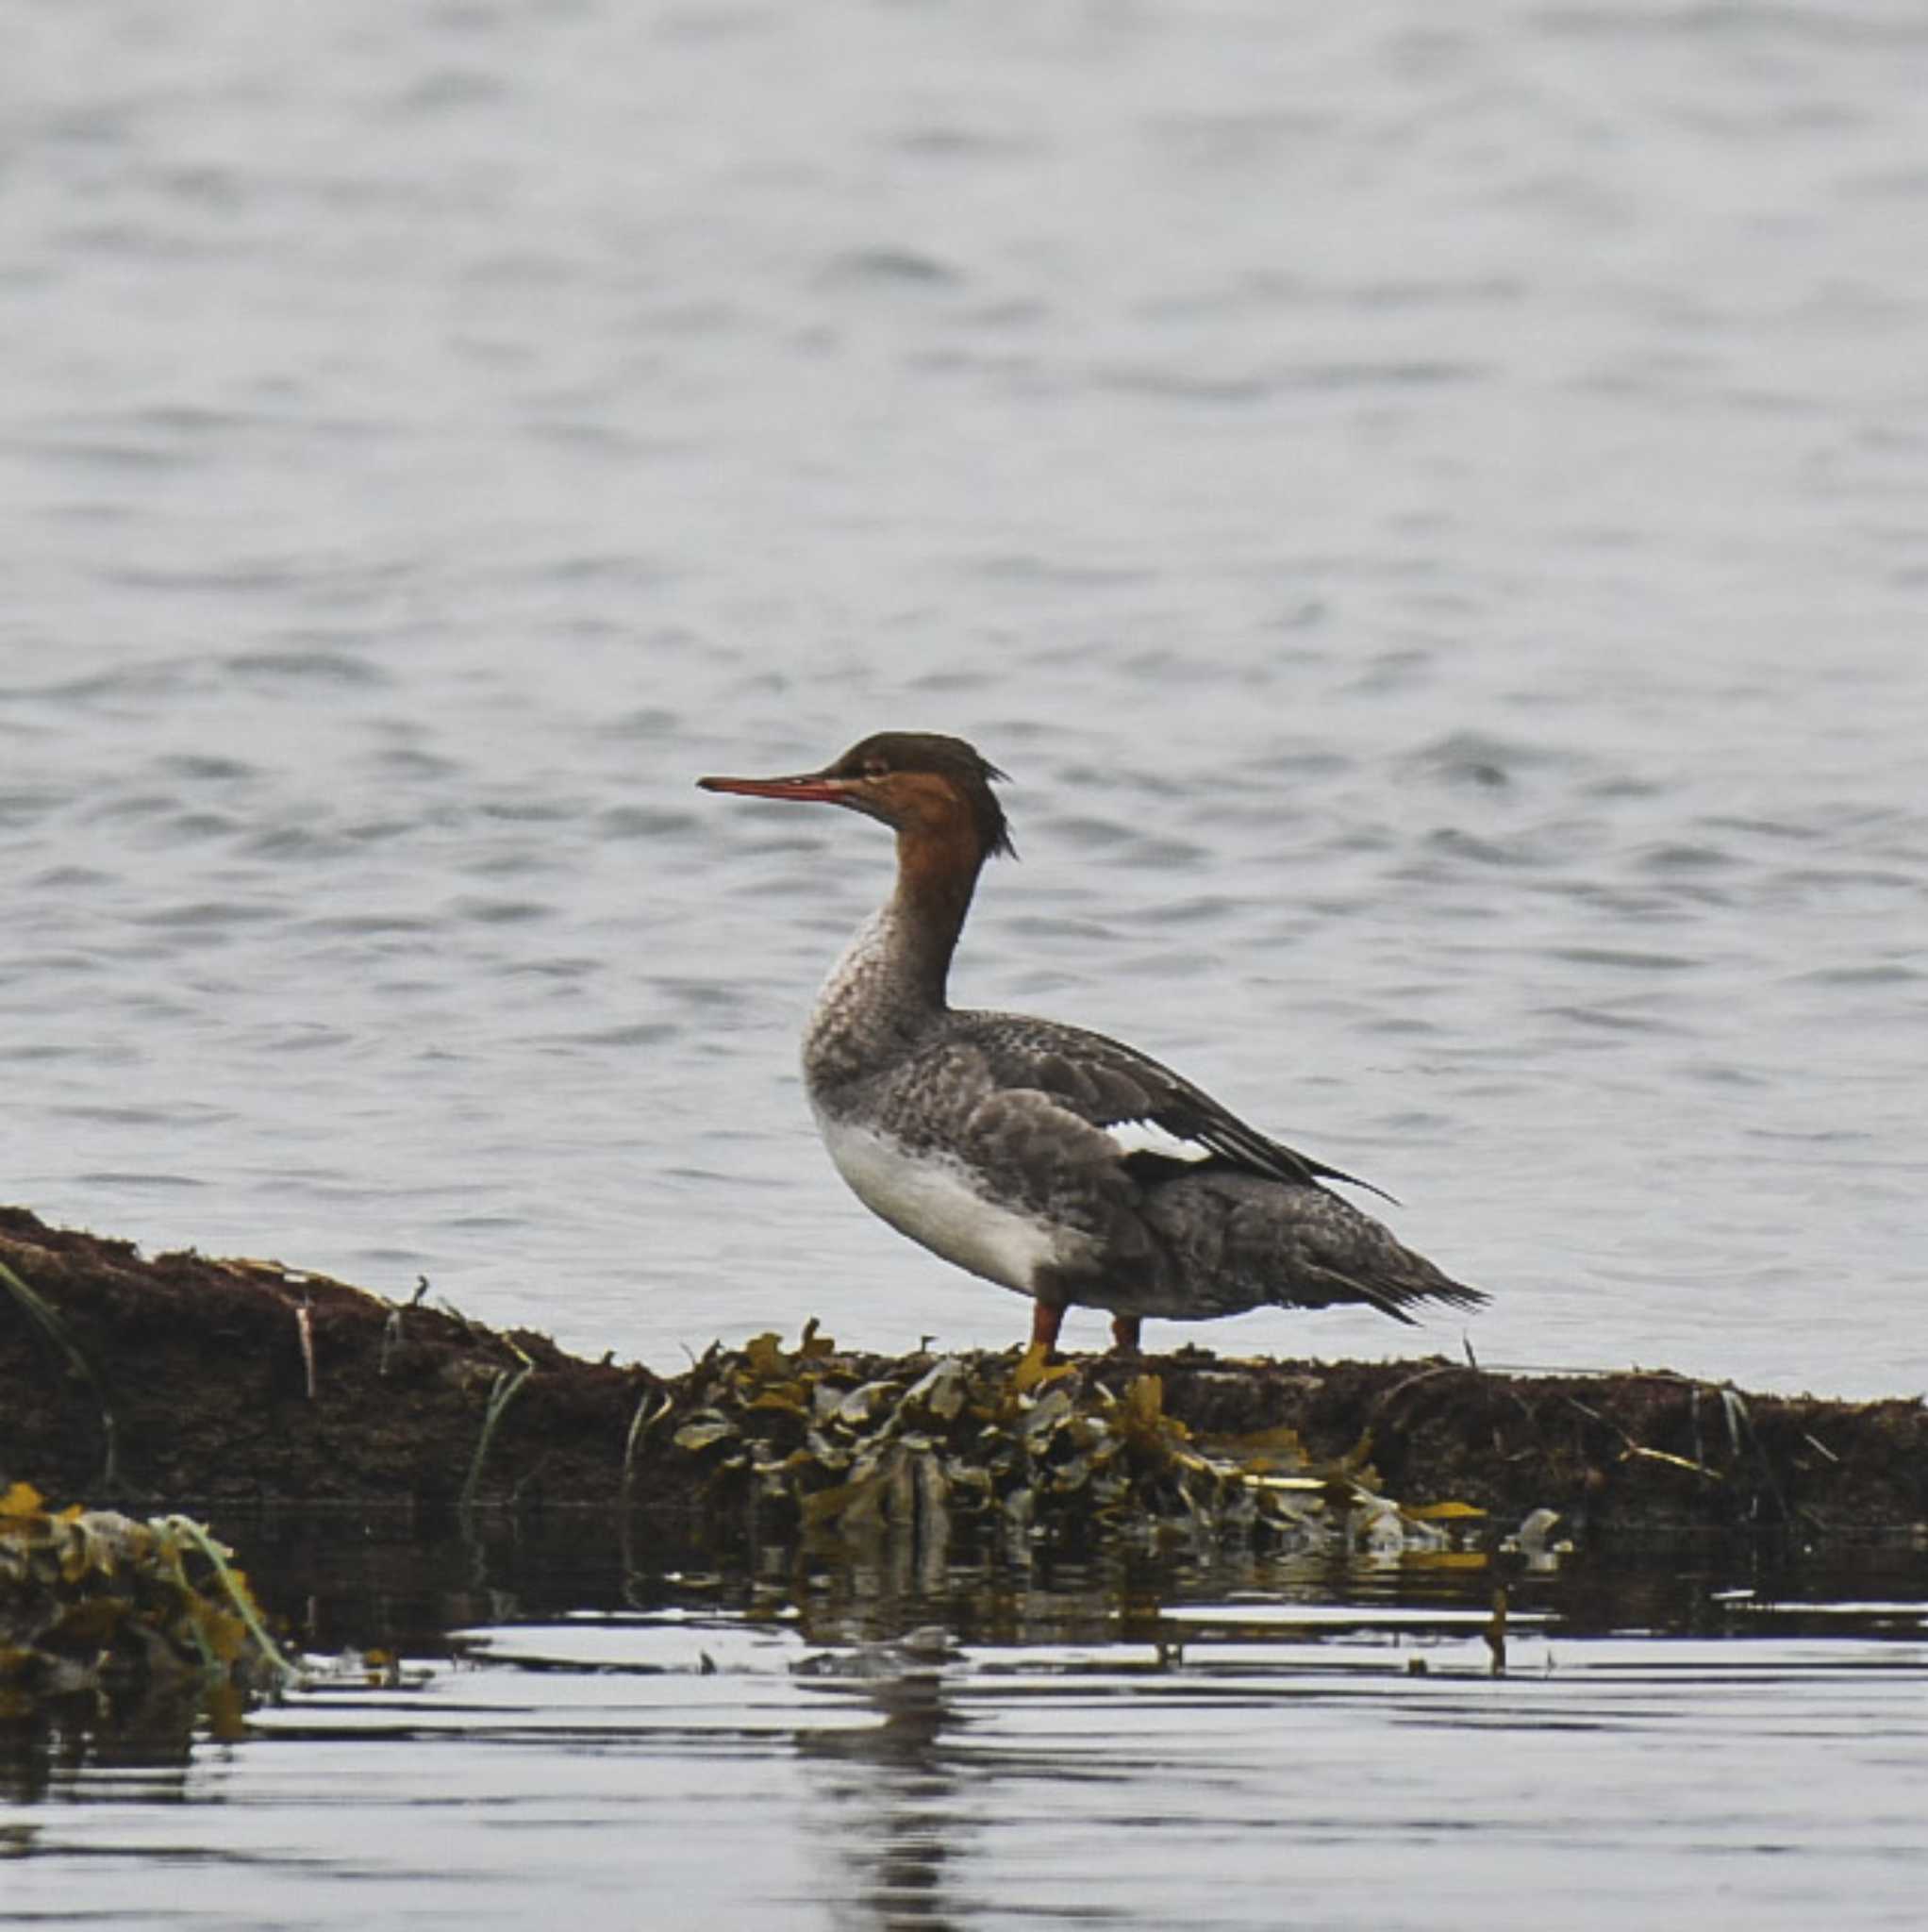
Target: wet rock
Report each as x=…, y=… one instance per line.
x=182, y=1381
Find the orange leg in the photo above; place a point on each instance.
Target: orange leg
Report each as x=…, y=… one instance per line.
x=1047, y=1318
x=1124, y=1334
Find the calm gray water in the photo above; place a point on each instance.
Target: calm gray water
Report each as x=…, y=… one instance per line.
x=1435, y=516
x=1282, y=1766
x=1431, y=508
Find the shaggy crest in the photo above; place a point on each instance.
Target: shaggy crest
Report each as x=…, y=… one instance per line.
x=963, y=764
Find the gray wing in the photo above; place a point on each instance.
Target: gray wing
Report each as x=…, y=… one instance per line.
x=1226, y=1219
x=1111, y=1085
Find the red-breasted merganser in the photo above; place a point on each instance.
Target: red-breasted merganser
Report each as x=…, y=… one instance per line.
x=1052, y=1161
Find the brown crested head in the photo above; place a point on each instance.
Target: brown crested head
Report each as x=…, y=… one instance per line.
x=917, y=782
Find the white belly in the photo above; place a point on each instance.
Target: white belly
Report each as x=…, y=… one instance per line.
x=936, y=1202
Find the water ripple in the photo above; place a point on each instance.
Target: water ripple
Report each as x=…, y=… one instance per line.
x=1399, y=601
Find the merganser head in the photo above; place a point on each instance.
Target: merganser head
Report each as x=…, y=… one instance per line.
x=917, y=782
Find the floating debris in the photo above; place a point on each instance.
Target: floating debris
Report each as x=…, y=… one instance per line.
x=858, y=1448
x=97, y=1605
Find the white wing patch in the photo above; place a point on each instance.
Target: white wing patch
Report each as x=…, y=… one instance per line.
x=1147, y=1137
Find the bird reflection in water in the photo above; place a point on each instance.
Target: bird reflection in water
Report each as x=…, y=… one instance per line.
x=893, y=1784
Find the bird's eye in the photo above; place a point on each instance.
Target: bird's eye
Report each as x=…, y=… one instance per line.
x=876, y=768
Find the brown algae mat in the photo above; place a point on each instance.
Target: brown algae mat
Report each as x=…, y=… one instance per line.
x=185, y=1380
x=145, y=1622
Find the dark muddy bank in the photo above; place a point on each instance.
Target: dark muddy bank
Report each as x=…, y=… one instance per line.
x=183, y=1380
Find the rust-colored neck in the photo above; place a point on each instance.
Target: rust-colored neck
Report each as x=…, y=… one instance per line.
x=937, y=873
x=888, y=987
